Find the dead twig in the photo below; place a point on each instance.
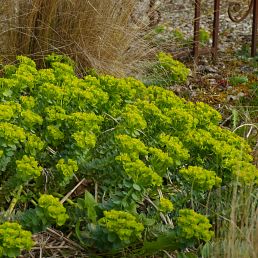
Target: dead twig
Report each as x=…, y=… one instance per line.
x=70, y=193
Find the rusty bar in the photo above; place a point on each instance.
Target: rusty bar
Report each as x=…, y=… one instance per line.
x=215, y=33
x=197, y=16
x=255, y=26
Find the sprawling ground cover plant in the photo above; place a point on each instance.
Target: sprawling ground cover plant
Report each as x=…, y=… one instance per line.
x=167, y=71
x=150, y=159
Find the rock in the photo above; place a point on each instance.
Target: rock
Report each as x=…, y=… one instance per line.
x=207, y=69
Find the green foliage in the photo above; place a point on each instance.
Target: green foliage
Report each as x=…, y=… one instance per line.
x=200, y=178
x=142, y=151
x=123, y=224
x=27, y=169
x=204, y=36
x=48, y=212
x=236, y=80
x=160, y=29
x=167, y=71
x=178, y=35
x=13, y=239
x=66, y=170
x=165, y=205
x=194, y=225
x=53, y=209
x=168, y=241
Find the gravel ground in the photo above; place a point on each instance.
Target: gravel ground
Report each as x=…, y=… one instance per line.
x=178, y=14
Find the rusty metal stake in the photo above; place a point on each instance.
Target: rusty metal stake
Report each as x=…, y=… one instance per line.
x=197, y=17
x=255, y=28
x=215, y=33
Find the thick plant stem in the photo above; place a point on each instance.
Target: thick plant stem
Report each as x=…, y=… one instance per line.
x=14, y=201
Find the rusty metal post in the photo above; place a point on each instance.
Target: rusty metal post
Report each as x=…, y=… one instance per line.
x=215, y=33
x=197, y=16
x=255, y=28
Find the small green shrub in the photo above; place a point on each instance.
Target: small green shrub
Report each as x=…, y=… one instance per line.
x=167, y=71
x=149, y=157
x=236, y=80
x=204, y=36
x=178, y=35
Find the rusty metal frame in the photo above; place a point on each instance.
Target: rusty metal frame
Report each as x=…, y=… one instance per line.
x=215, y=33
x=255, y=28
x=236, y=15
x=233, y=7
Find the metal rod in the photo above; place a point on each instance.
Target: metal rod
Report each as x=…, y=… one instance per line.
x=197, y=16
x=215, y=33
x=255, y=28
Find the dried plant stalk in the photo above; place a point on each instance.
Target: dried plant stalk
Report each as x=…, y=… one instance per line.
x=94, y=33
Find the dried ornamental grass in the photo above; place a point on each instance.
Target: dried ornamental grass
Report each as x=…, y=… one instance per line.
x=98, y=34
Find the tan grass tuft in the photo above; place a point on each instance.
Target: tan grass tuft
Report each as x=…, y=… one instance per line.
x=94, y=33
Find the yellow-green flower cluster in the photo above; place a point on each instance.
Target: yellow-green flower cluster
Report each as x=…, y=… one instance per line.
x=92, y=97
x=27, y=102
x=55, y=113
x=244, y=172
x=132, y=146
x=9, y=110
x=13, y=239
x=165, y=205
x=132, y=118
x=84, y=140
x=29, y=118
x=200, y=178
x=45, y=75
x=181, y=120
x=12, y=133
x=139, y=172
x=130, y=151
x=26, y=61
x=229, y=149
x=86, y=121
x=53, y=209
x=160, y=160
x=67, y=169
x=123, y=224
x=165, y=100
x=9, y=70
x=52, y=92
x=194, y=225
x=153, y=115
x=27, y=168
x=33, y=144
x=204, y=113
x=175, y=148
x=118, y=90
x=54, y=133
x=25, y=73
